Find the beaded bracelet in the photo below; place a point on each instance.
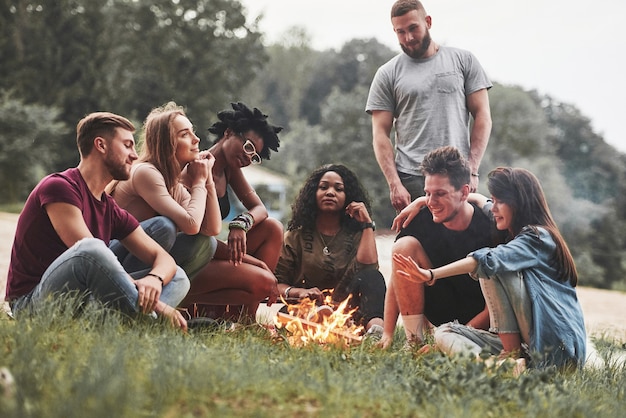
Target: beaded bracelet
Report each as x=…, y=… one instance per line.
x=243, y=221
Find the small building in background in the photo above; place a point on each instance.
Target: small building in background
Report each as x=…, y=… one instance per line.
x=271, y=188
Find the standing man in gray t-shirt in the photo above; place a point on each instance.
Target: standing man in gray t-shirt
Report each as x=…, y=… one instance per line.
x=427, y=93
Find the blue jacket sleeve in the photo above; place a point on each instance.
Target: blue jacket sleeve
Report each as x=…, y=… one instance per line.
x=527, y=250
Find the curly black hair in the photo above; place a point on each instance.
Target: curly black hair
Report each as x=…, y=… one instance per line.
x=241, y=119
x=304, y=209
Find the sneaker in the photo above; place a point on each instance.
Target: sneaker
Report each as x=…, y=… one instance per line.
x=411, y=345
x=203, y=323
x=375, y=333
x=516, y=365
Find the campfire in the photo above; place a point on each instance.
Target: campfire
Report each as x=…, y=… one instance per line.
x=325, y=324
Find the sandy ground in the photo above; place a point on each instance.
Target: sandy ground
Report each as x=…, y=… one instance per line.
x=605, y=311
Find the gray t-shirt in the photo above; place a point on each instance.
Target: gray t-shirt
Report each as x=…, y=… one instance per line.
x=428, y=100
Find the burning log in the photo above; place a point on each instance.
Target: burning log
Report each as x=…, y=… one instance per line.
x=324, y=325
x=306, y=327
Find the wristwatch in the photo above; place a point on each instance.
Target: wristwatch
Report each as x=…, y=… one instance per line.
x=369, y=225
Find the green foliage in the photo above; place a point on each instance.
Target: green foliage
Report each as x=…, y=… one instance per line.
x=99, y=364
x=520, y=127
x=593, y=169
x=127, y=56
x=278, y=89
x=29, y=140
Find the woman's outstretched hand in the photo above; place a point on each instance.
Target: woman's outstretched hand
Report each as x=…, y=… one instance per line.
x=408, y=269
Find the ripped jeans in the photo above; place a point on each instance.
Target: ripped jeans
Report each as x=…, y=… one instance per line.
x=510, y=311
x=91, y=268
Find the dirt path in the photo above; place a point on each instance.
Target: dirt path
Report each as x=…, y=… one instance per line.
x=605, y=311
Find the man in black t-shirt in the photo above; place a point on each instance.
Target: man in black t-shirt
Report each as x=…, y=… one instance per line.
x=447, y=229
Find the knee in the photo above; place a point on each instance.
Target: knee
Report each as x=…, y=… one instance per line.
x=161, y=229
x=95, y=249
x=273, y=228
x=442, y=330
x=406, y=245
x=89, y=245
x=372, y=279
x=205, y=247
x=264, y=284
x=180, y=280
x=163, y=222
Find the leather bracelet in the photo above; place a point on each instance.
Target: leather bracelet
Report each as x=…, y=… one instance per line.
x=157, y=276
x=367, y=225
x=432, y=278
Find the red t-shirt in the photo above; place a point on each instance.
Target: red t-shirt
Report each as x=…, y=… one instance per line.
x=37, y=244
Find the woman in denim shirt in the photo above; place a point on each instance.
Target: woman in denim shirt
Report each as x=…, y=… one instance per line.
x=528, y=282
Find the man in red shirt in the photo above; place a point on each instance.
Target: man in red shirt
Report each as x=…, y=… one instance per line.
x=63, y=233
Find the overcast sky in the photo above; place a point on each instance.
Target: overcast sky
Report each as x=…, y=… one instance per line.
x=571, y=50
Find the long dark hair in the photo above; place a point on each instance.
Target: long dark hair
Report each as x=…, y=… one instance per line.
x=521, y=190
x=304, y=209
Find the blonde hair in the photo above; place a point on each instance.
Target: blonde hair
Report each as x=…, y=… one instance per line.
x=159, y=142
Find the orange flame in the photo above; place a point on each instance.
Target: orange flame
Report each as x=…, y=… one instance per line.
x=308, y=323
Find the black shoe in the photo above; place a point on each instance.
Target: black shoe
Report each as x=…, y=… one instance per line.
x=203, y=323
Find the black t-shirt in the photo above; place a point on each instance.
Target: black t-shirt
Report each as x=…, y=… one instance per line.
x=457, y=297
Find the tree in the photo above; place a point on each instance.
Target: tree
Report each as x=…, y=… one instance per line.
x=278, y=88
x=128, y=56
x=354, y=65
x=28, y=146
x=520, y=128
x=593, y=169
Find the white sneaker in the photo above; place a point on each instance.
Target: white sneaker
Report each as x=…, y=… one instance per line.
x=375, y=333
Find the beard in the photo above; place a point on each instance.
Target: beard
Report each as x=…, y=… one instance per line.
x=423, y=47
x=118, y=170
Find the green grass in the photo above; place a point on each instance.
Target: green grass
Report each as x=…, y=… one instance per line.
x=99, y=364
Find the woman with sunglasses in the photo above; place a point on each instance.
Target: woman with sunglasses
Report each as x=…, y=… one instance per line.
x=241, y=272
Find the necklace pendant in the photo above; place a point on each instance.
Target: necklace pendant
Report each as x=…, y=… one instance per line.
x=326, y=251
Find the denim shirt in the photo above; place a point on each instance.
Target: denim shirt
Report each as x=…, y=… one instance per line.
x=558, y=331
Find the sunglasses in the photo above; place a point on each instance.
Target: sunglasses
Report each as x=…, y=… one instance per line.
x=250, y=150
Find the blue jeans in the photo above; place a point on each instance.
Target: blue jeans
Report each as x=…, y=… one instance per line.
x=510, y=311
x=92, y=269
x=191, y=252
x=454, y=338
